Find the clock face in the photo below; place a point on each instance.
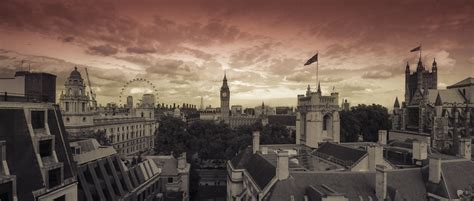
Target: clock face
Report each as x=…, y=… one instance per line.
x=224, y=94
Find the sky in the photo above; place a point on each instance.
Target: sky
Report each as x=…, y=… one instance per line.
x=183, y=48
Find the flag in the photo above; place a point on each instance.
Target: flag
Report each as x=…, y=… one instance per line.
x=416, y=49
x=312, y=59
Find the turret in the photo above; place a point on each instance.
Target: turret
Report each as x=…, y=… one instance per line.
x=319, y=88
x=396, y=105
x=438, y=106
x=434, y=70
x=407, y=79
x=419, y=74
x=308, y=90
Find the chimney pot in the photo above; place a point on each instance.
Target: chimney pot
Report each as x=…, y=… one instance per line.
x=282, y=165
x=382, y=137
x=256, y=141
x=435, y=170
x=381, y=182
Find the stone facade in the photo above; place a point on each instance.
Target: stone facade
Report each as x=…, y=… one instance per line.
x=317, y=118
x=129, y=130
x=442, y=115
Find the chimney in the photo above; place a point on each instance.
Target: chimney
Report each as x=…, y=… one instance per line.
x=382, y=137
x=182, y=161
x=282, y=165
x=375, y=154
x=264, y=150
x=381, y=182
x=256, y=141
x=419, y=150
x=464, y=149
x=435, y=170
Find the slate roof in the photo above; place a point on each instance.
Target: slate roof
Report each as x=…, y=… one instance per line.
x=286, y=120
x=353, y=185
x=447, y=96
x=168, y=164
x=260, y=169
x=337, y=153
x=242, y=158
x=463, y=83
x=458, y=175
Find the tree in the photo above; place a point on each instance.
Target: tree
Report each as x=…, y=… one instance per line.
x=173, y=136
x=365, y=120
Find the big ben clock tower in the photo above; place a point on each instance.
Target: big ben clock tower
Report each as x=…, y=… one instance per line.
x=225, y=96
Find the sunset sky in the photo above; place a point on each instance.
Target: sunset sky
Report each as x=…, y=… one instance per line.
x=184, y=47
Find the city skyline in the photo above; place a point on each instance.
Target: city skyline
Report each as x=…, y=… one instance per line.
x=184, y=48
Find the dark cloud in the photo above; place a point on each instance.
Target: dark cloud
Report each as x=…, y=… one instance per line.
x=102, y=50
x=68, y=39
x=141, y=50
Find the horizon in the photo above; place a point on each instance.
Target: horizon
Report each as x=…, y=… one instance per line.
x=185, y=47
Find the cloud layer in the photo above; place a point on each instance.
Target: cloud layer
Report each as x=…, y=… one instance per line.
x=184, y=47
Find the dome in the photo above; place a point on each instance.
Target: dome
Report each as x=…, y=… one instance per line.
x=75, y=74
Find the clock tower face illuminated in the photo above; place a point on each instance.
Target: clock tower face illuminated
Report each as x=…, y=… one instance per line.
x=225, y=98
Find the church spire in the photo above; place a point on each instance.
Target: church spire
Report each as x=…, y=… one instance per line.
x=438, y=102
x=397, y=104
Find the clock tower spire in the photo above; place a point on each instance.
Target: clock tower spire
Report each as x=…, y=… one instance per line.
x=225, y=97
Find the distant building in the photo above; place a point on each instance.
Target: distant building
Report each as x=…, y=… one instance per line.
x=129, y=130
x=225, y=99
x=174, y=174
x=129, y=102
x=317, y=118
x=36, y=160
x=439, y=117
x=284, y=110
x=29, y=86
x=236, y=110
x=148, y=101
x=346, y=106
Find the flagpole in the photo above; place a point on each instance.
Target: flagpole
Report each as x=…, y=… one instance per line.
x=317, y=69
x=420, y=51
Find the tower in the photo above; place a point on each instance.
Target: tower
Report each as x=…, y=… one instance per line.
x=74, y=103
x=129, y=102
x=317, y=118
x=225, y=98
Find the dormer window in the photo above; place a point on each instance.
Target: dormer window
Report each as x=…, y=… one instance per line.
x=46, y=148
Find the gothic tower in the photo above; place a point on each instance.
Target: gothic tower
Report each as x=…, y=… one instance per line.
x=225, y=98
x=74, y=102
x=317, y=118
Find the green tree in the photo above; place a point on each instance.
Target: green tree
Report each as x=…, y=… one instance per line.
x=364, y=120
x=173, y=136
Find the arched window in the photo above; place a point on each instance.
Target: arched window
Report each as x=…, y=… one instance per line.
x=326, y=122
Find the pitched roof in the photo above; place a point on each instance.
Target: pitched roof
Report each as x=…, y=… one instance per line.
x=406, y=184
x=261, y=170
x=242, y=158
x=446, y=95
x=339, y=154
x=463, y=83
x=286, y=120
x=168, y=164
x=458, y=175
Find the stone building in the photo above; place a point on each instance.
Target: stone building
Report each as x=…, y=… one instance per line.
x=128, y=130
x=36, y=162
x=440, y=117
x=317, y=118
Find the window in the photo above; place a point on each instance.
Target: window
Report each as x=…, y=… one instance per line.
x=170, y=180
x=54, y=177
x=83, y=119
x=45, y=148
x=67, y=106
x=37, y=119
x=83, y=107
x=67, y=119
x=61, y=198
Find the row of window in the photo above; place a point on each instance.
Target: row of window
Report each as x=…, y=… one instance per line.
x=150, y=191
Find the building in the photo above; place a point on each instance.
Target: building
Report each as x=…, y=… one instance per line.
x=103, y=175
x=234, y=119
x=225, y=99
x=329, y=170
x=129, y=130
x=317, y=118
x=440, y=117
x=174, y=174
x=29, y=86
x=346, y=106
x=129, y=102
x=36, y=160
x=236, y=110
